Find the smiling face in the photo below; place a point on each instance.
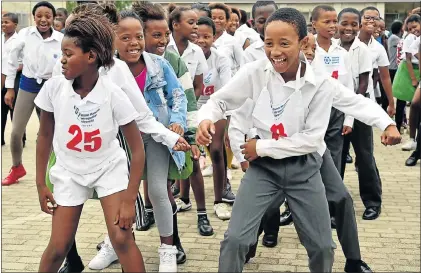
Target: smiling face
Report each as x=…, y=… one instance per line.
x=414, y=28
x=157, y=36
x=7, y=26
x=58, y=25
x=308, y=47
x=282, y=46
x=349, y=26
x=187, y=27
x=327, y=23
x=130, y=42
x=205, y=38
x=233, y=24
x=43, y=19
x=369, y=20
x=220, y=19
x=74, y=61
x=261, y=15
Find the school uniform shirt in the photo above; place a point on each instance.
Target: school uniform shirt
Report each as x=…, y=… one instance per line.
x=218, y=74
x=39, y=55
x=406, y=48
x=344, y=100
x=360, y=61
x=247, y=33
x=379, y=59
x=255, y=51
x=6, y=47
x=415, y=49
x=307, y=99
x=85, y=129
x=336, y=62
x=230, y=47
x=193, y=57
x=121, y=75
x=392, y=48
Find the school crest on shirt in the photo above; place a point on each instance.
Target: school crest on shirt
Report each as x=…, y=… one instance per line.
x=331, y=60
x=208, y=78
x=86, y=116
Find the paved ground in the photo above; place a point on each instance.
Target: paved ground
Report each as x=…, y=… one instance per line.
x=390, y=243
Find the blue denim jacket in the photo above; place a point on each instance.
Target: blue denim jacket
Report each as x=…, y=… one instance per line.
x=165, y=97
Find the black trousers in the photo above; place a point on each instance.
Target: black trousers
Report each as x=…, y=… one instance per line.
x=400, y=113
x=5, y=108
x=384, y=100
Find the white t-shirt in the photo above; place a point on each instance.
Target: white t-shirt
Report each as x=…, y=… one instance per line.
x=407, y=43
x=229, y=46
x=218, y=74
x=85, y=129
x=360, y=61
x=6, y=47
x=193, y=57
x=248, y=33
x=379, y=59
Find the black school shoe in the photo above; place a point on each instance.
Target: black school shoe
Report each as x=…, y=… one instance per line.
x=413, y=159
x=74, y=266
x=149, y=221
x=204, y=226
x=360, y=266
x=181, y=255
x=286, y=218
x=349, y=159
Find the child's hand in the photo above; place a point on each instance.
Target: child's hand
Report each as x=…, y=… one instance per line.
x=244, y=166
x=249, y=150
x=195, y=152
x=126, y=215
x=204, y=132
x=391, y=136
x=177, y=128
x=181, y=145
x=45, y=197
x=346, y=130
x=415, y=82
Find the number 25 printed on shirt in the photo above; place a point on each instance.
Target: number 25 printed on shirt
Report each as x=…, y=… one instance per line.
x=92, y=140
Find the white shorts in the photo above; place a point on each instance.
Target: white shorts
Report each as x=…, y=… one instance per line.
x=72, y=189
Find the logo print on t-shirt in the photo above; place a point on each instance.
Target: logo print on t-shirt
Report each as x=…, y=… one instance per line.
x=208, y=78
x=87, y=116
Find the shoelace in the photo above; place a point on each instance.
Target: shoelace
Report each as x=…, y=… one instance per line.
x=105, y=250
x=166, y=257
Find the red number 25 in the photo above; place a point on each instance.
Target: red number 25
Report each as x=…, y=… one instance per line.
x=91, y=139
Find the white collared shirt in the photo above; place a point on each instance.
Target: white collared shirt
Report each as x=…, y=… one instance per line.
x=218, y=74
x=255, y=51
x=230, y=47
x=193, y=56
x=379, y=59
x=249, y=82
x=121, y=76
x=247, y=32
x=361, y=61
x=39, y=55
x=411, y=44
x=85, y=129
x=6, y=47
x=344, y=100
x=415, y=47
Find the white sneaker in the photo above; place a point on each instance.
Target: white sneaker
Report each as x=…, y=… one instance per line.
x=208, y=171
x=222, y=211
x=106, y=256
x=229, y=174
x=167, y=258
x=410, y=145
x=181, y=206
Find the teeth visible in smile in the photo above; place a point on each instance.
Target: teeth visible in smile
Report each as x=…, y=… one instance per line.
x=280, y=60
x=134, y=51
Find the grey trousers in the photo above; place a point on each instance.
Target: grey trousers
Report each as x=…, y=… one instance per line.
x=157, y=164
x=368, y=174
x=334, y=138
x=342, y=209
x=268, y=182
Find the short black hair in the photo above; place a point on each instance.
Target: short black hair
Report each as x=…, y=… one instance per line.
x=243, y=18
x=175, y=14
x=202, y=7
x=259, y=4
x=222, y=6
x=44, y=4
x=12, y=16
x=396, y=27
x=128, y=13
x=93, y=32
x=147, y=10
x=316, y=11
x=291, y=16
x=63, y=10
x=208, y=22
x=350, y=10
x=414, y=18
x=369, y=8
